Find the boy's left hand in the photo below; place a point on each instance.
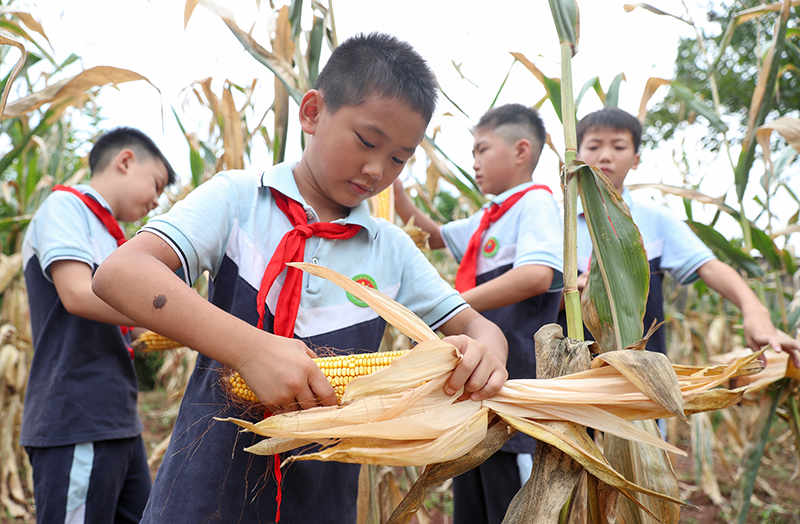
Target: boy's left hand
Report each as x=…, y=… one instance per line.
x=480, y=372
x=759, y=331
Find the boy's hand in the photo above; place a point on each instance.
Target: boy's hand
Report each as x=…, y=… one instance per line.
x=759, y=331
x=283, y=376
x=479, y=371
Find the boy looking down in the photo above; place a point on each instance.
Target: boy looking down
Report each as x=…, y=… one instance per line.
x=364, y=119
x=510, y=255
x=80, y=426
x=609, y=139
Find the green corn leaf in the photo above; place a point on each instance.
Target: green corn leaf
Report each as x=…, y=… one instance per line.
x=315, y=48
x=295, y=14
x=592, y=83
x=551, y=85
x=616, y=294
x=565, y=16
x=725, y=251
x=697, y=105
x=612, y=99
x=762, y=102
x=767, y=247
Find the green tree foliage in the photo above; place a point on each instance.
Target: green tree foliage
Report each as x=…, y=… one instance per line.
x=736, y=72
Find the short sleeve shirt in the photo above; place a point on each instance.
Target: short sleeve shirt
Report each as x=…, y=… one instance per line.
x=230, y=226
x=530, y=232
x=670, y=245
x=82, y=385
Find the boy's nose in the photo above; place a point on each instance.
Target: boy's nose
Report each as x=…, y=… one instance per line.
x=374, y=170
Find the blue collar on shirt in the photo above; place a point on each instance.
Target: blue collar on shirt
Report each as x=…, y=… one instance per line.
x=626, y=196
x=499, y=199
x=281, y=177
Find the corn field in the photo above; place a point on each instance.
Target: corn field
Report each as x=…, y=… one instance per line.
x=742, y=461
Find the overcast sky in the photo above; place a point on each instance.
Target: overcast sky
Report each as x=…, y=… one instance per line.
x=149, y=37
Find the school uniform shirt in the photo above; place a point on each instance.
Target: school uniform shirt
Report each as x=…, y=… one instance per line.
x=82, y=385
x=671, y=246
x=230, y=227
x=530, y=232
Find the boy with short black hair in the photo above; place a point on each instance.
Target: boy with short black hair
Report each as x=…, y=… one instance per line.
x=510, y=256
x=80, y=426
x=609, y=139
x=364, y=120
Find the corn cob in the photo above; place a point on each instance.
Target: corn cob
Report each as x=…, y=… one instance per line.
x=150, y=341
x=339, y=370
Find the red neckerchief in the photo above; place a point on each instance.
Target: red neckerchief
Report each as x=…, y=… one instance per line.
x=465, y=277
x=100, y=212
x=111, y=224
x=291, y=249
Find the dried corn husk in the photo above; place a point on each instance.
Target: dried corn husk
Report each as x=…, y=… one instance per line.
x=779, y=366
x=400, y=415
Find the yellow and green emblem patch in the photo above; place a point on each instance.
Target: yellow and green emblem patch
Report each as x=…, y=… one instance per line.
x=364, y=280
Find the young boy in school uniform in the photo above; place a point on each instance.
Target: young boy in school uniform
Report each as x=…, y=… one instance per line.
x=609, y=139
x=510, y=255
x=364, y=119
x=80, y=426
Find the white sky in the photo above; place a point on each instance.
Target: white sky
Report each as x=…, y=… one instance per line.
x=148, y=37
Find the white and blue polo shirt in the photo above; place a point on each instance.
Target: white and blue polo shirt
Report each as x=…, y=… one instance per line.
x=82, y=385
x=530, y=232
x=230, y=227
x=671, y=246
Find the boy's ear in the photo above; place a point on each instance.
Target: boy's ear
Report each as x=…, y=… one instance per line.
x=635, y=162
x=523, y=149
x=311, y=108
x=123, y=161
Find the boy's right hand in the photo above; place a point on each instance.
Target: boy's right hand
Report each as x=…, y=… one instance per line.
x=283, y=376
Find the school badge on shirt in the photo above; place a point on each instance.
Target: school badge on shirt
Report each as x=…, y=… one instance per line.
x=364, y=280
x=490, y=247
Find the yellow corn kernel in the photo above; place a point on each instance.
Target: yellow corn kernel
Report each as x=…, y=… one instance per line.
x=151, y=341
x=339, y=371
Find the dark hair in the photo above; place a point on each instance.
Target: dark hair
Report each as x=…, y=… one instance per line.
x=112, y=142
x=611, y=118
x=518, y=121
x=380, y=64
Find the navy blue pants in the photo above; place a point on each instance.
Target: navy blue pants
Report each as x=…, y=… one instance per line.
x=93, y=482
x=482, y=494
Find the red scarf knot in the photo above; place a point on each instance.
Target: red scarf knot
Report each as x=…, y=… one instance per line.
x=292, y=249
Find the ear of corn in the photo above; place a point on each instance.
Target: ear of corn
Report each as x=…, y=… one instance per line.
x=150, y=341
x=339, y=370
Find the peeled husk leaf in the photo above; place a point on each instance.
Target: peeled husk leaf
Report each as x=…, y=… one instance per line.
x=412, y=422
x=644, y=466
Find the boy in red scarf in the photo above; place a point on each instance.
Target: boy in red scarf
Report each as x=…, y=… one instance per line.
x=510, y=256
x=363, y=121
x=80, y=426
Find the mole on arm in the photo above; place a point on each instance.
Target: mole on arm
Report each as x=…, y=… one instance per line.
x=159, y=301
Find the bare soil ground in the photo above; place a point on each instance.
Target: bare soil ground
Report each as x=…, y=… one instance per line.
x=776, y=499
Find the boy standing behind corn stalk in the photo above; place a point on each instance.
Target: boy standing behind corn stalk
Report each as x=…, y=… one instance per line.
x=510, y=256
x=364, y=119
x=80, y=426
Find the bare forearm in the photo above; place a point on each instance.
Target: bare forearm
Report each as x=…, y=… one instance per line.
x=727, y=282
x=515, y=285
x=147, y=291
x=91, y=307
